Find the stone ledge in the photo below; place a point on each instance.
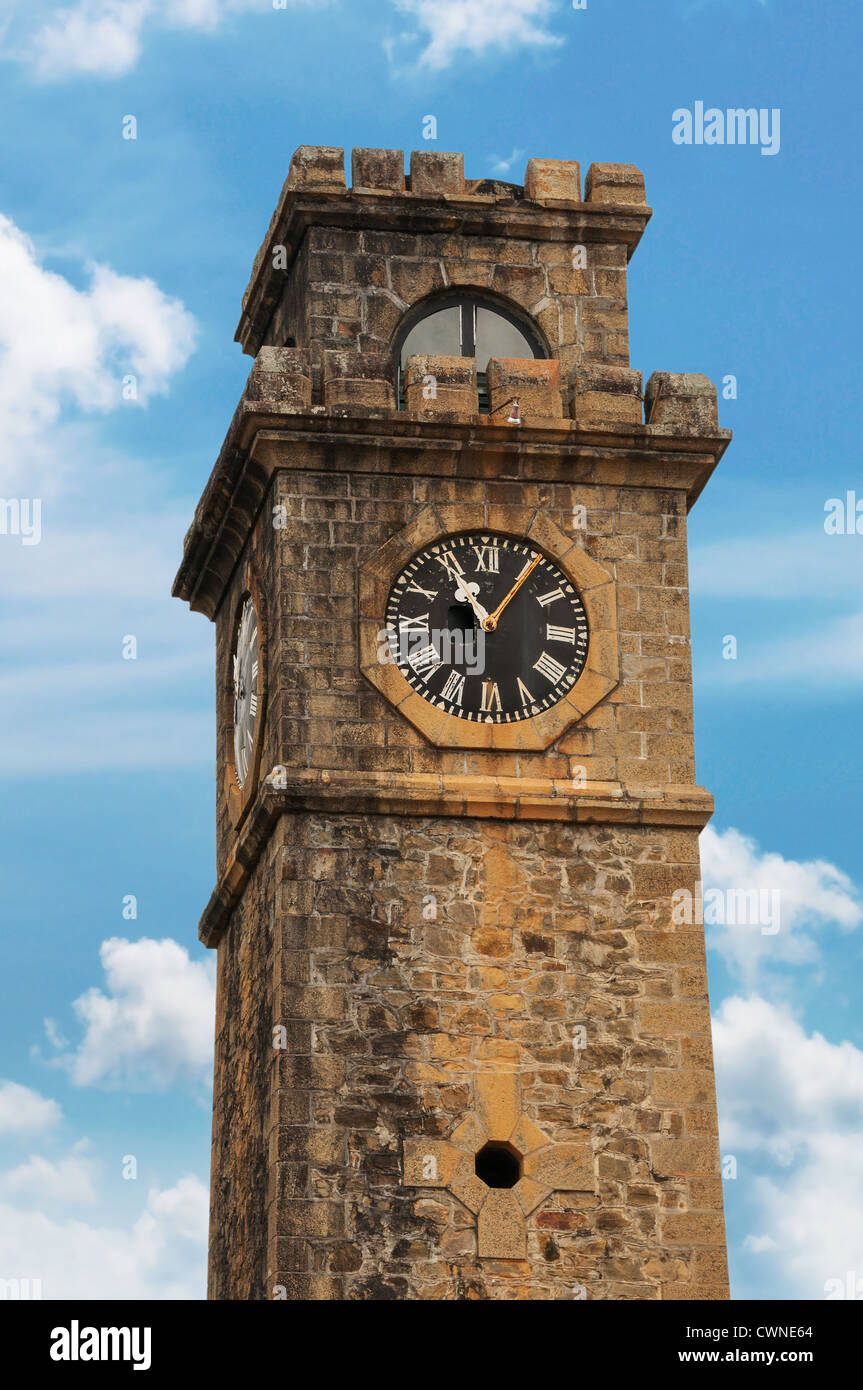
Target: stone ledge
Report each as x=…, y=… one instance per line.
x=435, y=795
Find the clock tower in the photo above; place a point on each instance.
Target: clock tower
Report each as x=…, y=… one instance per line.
x=462, y=1044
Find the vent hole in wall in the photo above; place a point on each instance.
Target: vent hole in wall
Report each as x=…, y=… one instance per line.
x=498, y=1165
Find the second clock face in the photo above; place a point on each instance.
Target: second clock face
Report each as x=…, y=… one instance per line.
x=487, y=628
x=246, y=665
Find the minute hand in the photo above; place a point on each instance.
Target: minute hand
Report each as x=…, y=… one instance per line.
x=490, y=623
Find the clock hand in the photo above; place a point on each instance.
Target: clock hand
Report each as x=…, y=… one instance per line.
x=475, y=604
x=490, y=623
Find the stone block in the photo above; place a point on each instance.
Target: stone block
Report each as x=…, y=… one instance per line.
x=533, y=381
x=500, y=1227
x=438, y=385
x=359, y=378
x=317, y=169
x=681, y=403
x=378, y=169
x=281, y=376
x=614, y=183
x=435, y=172
x=606, y=398
x=552, y=180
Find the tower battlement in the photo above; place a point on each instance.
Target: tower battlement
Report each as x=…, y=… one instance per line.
x=340, y=267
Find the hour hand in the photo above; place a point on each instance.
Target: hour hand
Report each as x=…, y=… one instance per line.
x=463, y=591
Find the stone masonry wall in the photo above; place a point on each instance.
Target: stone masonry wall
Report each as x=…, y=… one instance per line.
x=538, y=929
x=352, y=289
x=242, y=1090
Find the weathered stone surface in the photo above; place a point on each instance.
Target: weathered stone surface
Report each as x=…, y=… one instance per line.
x=614, y=183
x=534, y=382
x=443, y=387
x=378, y=169
x=435, y=172
x=681, y=403
x=397, y=1097
x=549, y=179
x=423, y=949
x=606, y=397
x=500, y=1228
x=319, y=168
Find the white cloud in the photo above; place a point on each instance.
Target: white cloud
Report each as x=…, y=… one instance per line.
x=501, y=167
x=827, y=655
x=98, y=37
x=105, y=38
x=71, y=599
x=153, y=1027
x=795, y=564
x=61, y=347
x=791, y=1110
x=808, y=894
x=69, y=1179
x=451, y=27
x=25, y=1112
x=162, y=1256
x=808, y=566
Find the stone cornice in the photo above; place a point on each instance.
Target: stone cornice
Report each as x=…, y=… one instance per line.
x=435, y=795
x=262, y=439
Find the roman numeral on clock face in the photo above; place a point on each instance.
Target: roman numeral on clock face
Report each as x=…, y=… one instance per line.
x=548, y=667
x=490, y=697
x=253, y=705
x=526, y=697
x=453, y=688
x=414, y=588
x=560, y=634
x=428, y=659
x=487, y=558
x=546, y=599
x=418, y=625
x=450, y=563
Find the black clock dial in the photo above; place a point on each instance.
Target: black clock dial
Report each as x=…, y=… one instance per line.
x=246, y=694
x=487, y=628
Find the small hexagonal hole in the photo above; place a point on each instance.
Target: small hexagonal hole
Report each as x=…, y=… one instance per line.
x=498, y=1165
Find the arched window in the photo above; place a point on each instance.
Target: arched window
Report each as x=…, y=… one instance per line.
x=465, y=325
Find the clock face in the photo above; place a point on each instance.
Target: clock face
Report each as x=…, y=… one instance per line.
x=487, y=628
x=246, y=693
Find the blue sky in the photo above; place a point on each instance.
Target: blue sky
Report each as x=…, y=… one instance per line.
x=129, y=257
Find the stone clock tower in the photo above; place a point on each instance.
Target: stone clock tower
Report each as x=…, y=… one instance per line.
x=462, y=1047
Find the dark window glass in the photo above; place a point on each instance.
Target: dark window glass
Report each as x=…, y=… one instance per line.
x=464, y=326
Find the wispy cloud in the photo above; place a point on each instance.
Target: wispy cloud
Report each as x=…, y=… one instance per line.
x=24, y=1112
x=808, y=896
x=447, y=29
x=820, y=574
x=502, y=167
x=108, y=542
x=152, y=1026
x=791, y=1113
x=105, y=38
x=65, y=349
x=70, y=1179
x=162, y=1255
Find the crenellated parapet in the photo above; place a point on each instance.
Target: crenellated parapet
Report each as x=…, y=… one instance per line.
x=595, y=397
x=341, y=266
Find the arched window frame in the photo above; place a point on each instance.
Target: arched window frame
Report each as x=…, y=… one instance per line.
x=468, y=300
